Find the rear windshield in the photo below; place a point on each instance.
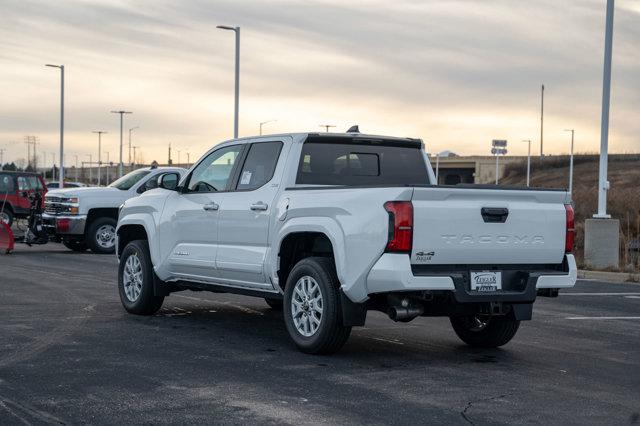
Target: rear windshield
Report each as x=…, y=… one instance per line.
x=357, y=163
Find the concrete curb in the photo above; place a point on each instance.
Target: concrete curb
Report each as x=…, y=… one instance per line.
x=617, y=277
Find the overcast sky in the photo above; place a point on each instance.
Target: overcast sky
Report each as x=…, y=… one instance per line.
x=454, y=73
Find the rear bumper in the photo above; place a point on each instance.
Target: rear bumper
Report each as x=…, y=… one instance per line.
x=393, y=273
x=64, y=225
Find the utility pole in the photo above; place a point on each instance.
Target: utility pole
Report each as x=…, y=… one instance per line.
x=188, y=161
x=169, y=160
x=122, y=113
x=437, y=168
x=327, y=126
x=99, y=132
x=236, y=30
x=61, y=67
x=76, y=167
x=542, y=122
x=178, y=157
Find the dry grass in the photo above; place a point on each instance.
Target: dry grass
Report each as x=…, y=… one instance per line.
x=623, y=201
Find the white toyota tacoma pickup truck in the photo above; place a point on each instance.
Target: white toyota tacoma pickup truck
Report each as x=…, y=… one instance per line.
x=87, y=216
x=329, y=226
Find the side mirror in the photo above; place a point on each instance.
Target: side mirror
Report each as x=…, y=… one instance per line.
x=168, y=181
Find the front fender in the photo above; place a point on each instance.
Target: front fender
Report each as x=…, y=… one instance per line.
x=144, y=216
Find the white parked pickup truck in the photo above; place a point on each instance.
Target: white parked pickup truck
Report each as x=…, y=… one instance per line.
x=329, y=226
x=87, y=216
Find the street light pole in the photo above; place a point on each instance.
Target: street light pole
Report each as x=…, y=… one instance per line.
x=542, y=122
x=528, y=159
x=237, y=88
x=120, y=166
x=99, y=132
x=265, y=122
x=76, y=167
x=603, y=184
x=130, y=130
x=61, y=67
x=571, y=161
x=108, y=167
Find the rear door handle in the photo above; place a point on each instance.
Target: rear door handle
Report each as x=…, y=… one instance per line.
x=259, y=206
x=210, y=206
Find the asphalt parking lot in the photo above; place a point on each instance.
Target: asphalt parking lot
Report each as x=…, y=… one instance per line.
x=70, y=354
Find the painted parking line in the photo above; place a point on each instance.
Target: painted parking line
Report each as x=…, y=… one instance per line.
x=602, y=318
x=600, y=294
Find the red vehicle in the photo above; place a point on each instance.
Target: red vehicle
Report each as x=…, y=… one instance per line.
x=15, y=188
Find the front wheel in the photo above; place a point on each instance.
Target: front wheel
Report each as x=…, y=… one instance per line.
x=101, y=235
x=135, y=280
x=484, y=331
x=312, y=312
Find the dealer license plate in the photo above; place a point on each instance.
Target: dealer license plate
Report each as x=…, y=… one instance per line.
x=486, y=281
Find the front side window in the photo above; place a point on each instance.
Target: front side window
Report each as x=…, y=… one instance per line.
x=213, y=173
x=130, y=179
x=259, y=166
x=6, y=184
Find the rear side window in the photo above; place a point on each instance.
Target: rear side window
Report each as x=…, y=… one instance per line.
x=6, y=184
x=259, y=166
x=361, y=164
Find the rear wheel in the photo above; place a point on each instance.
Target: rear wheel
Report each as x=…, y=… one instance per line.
x=101, y=235
x=135, y=280
x=484, y=331
x=75, y=245
x=312, y=311
x=7, y=216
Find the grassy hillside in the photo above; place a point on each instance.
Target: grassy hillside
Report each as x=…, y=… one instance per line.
x=623, y=198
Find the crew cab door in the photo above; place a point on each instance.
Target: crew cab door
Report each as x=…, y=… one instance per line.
x=245, y=215
x=189, y=226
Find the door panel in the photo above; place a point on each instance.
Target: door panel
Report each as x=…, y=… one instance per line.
x=245, y=215
x=190, y=218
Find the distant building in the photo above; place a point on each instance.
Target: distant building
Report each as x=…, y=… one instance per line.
x=454, y=169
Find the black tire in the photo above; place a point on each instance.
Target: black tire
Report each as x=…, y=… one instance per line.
x=95, y=235
x=330, y=335
x=75, y=245
x=145, y=303
x=275, y=304
x=7, y=216
x=496, y=332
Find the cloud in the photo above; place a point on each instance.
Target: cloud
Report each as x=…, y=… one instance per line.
x=456, y=73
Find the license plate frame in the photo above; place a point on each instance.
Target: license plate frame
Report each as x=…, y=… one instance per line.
x=485, y=281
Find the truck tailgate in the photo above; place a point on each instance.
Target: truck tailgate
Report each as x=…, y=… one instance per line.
x=488, y=226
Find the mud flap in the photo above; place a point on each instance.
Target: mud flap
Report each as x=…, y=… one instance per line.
x=353, y=314
x=522, y=311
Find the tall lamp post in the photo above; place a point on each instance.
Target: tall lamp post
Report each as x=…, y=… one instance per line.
x=237, y=104
x=122, y=113
x=603, y=184
x=571, y=161
x=528, y=159
x=61, y=178
x=99, y=132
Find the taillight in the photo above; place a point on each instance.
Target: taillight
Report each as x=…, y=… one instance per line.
x=400, y=226
x=571, y=229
